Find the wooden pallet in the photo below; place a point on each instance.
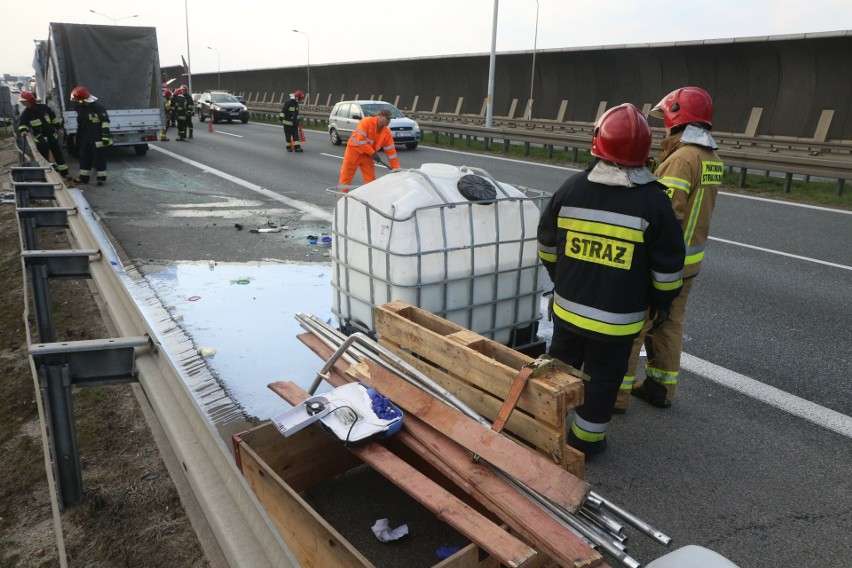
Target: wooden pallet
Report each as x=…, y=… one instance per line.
x=480, y=372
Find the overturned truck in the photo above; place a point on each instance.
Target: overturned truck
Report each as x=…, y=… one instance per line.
x=118, y=64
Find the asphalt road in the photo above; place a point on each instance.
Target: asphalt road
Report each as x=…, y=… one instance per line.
x=765, y=484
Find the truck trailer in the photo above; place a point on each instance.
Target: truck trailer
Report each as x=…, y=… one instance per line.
x=120, y=65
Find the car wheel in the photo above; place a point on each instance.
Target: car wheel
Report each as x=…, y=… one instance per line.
x=411, y=145
x=244, y=120
x=335, y=137
x=141, y=149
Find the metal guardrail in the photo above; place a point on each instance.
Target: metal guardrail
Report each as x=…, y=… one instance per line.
x=789, y=156
x=243, y=534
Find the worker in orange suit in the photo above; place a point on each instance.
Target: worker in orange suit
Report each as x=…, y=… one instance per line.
x=371, y=135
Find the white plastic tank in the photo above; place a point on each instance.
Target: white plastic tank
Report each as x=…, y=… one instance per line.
x=451, y=240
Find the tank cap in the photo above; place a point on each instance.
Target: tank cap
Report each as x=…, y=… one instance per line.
x=476, y=188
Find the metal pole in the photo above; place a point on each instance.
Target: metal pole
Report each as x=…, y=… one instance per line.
x=489, y=101
x=532, y=72
x=218, y=68
x=308, y=89
x=188, y=56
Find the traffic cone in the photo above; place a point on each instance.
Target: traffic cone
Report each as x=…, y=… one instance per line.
x=210, y=125
x=302, y=134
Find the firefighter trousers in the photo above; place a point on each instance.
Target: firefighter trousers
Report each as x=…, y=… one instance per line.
x=291, y=136
x=605, y=361
x=662, y=346
x=91, y=155
x=50, y=145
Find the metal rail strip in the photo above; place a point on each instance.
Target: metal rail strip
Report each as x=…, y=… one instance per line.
x=245, y=535
x=776, y=154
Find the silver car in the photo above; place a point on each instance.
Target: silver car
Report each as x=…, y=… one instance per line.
x=346, y=114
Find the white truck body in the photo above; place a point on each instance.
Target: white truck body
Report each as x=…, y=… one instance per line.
x=120, y=65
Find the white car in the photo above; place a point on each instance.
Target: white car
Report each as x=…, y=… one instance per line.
x=346, y=114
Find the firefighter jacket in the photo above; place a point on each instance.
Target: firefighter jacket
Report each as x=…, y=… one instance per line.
x=692, y=172
x=40, y=120
x=181, y=105
x=367, y=140
x=290, y=113
x=93, y=123
x=609, y=240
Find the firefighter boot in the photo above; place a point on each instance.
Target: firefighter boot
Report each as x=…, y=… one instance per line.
x=588, y=448
x=190, y=133
x=657, y=394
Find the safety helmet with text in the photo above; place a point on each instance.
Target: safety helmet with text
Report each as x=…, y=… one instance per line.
x=27, y=98
x=80, y=94
x=299, y=95
x=685, y=105
x=622, y=136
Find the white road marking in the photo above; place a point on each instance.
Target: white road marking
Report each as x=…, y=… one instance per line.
x=229, y=133
x=792, y=404
x=778, y=252
x=783, y=202
x=294, y=203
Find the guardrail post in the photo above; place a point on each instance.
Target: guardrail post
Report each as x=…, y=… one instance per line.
x=44, y=264
x=743, y=173
x=575, y=154
x=61, y=366
x=788, y=182
x=840, y=183
x=33, y=218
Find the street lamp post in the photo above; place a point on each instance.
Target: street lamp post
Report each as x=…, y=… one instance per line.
x=113, y=18
x=532, y=73
x=218, y=68
x=308, y=90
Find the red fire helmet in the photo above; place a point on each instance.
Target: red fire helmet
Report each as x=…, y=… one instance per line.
x=622, y=136
x=685, y=105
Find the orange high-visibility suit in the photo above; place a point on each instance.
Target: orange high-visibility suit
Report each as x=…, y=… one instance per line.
x=364, y=142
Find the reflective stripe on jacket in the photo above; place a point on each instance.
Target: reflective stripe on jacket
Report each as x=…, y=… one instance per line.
x=289, y=115
x=611, y=252
x=368, y=140
x=40, y=119
x=692, y=172
x=93, y=122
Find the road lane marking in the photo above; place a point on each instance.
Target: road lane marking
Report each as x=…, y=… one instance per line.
x=783, y=202
x=294, y=203
x=789, y=403
x=229, y=133
x=778, y=252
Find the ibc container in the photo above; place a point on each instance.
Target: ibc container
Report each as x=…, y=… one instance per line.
x=451, y=240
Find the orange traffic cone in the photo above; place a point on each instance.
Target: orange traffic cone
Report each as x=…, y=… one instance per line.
x=210, y=125
x=302, y=134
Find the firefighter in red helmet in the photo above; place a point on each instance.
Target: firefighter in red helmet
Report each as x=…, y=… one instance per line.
x=41, y=122
x=93, y=135
x=290, y=121
x=692, y=171
x=181, y=105
x=611, y=244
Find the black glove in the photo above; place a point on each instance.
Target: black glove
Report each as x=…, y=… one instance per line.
x=660, y=315
x=376, y=158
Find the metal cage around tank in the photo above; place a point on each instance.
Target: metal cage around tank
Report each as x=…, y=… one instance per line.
x=473, y=262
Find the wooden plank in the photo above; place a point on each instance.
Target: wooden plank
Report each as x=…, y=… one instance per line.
x=308, y=458
x=478, y=361
x=498, y=543
x=530, y=468
x=312, y=540
x=538, y=434
x=481, y=483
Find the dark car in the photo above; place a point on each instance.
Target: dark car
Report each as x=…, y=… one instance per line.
x=219, y=106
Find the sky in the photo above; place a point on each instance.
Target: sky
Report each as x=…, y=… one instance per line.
x=230, y=35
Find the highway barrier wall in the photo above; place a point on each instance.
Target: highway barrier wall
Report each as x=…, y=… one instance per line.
x=781, y=86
